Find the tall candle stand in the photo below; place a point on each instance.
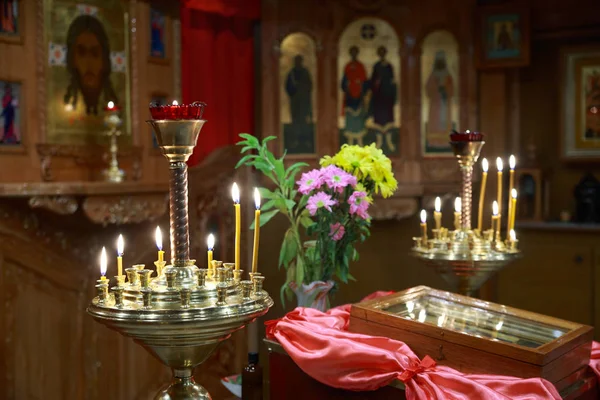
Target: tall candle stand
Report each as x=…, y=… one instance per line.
x=181, y=315
x=113, y=122
x=465, y=257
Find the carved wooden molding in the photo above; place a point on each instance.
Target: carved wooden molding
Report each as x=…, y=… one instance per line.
x=63, y=205
x=125, y=209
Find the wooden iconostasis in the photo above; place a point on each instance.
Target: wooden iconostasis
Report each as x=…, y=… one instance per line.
x=396, y=74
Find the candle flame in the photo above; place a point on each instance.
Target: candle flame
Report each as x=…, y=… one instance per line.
x=512, y=162
x=458, y=205
x=499, y=164
x=158, y=238
x=438, y=204
x=120, y=246
x=210, y=242
x=495, y=208
x=467, y=131
x=235, y=193
x=111, y=104
x=512, y=235
x=103, y=262
x=175, y=103
x=423, y=216
x=484, y=165
x=513, y=193
x=257, y=198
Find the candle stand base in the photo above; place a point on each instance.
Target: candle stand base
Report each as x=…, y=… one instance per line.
x=181, y=315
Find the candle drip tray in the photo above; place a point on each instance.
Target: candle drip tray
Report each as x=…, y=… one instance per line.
x=464, y=259
x=181, y=321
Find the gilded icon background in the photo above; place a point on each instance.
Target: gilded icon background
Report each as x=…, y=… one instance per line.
x=297, y=82
x=87, y=68
x=440, y=109
x=369, y=83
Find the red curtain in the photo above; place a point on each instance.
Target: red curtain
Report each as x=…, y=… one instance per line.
x=217, y=54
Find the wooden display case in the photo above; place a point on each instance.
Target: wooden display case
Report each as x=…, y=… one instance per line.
x=475, y=336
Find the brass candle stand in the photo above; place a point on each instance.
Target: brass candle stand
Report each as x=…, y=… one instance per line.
x=465, y=257
x=181, y=315
x=113, y=122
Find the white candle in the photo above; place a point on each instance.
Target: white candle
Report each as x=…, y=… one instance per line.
x=103, y=264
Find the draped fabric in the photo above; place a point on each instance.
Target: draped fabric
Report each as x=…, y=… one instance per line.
x=217, y=54
x=320, y=344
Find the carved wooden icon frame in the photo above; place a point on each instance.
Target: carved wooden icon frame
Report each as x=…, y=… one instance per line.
x=18, y=37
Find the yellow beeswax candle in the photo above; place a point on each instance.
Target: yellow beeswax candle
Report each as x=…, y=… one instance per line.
x=103, y=264
x=457, y=211
x=500, y=166
x=210, y=243
x=235, y=194
x=256, y=230
x=437, y=214
x=158, y=238
x=424, y=226
x=484, y=167
x=513, y=209
x=120, y=250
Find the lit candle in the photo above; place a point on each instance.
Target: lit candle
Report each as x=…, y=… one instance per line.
x=513, y=209
x=210, y=243
x=512, y=240
x=256, y=230
x=103, y=264
x=424, y=226
x=484, y=167
x=235, y=195
x=500, y=166
x=437, y=214
x=120, y=249
x=158, y=238
x=175, y=103
x=495, y=218
x=457, y=211
x=110, y=105
x=512, y=162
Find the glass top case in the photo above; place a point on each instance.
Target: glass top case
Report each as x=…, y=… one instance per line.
x=478, y=322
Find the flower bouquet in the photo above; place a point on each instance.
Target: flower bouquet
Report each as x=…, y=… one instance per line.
x=328, y=206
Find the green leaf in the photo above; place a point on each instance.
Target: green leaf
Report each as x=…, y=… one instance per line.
x=289, y=248
x=299, y=271
x=244, y=159
x=305, y=219
x=295, y=167
x=246, y=148
x=243, y=143
x=268, y=205
x=279, y=169
x=351, y=278
x=262, y=165
x=251, y=139
x=269, y=138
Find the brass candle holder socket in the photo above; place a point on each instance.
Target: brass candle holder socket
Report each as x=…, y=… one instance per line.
x=237, y=275
x=120, y=280
x=132, y=276
x=170, y=276
x=186, y=294
x=160, y=265
x=144, y=276
x=221, y=294
x=229, y=267
x=102, y=292
x=246, y=289
x=201, y=276
x=221, y=274
x=252, y=275
x=258, y=284
x=118, y=292
x=147, y=297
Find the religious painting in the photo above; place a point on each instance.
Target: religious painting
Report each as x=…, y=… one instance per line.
x=503, y=37
x=368, y=79
x=298, y=100
x=11, y=21
x=158, y=26
x=87, y=68
x=580, y=103
x=440, y=108
x=10, y=115
x=160, y=99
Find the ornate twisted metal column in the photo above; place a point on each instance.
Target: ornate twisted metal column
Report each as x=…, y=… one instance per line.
x=467, y=195
x=178, y=204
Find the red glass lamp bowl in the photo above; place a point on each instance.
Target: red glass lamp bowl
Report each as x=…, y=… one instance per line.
x=177, y=112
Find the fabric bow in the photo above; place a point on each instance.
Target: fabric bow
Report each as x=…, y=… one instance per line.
x=422, y=366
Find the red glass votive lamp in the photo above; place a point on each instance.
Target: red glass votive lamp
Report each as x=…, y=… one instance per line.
x=111, y=107
x=467, y=136
x=176, y=111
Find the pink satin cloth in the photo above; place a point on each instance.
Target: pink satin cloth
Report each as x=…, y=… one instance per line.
x=320, y=344
x=595, y=359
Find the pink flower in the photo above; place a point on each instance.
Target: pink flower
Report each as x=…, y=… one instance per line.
x=336, y=231
x=336, y=178
x=319, y=200
x=310, y=181
x=359, y=204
